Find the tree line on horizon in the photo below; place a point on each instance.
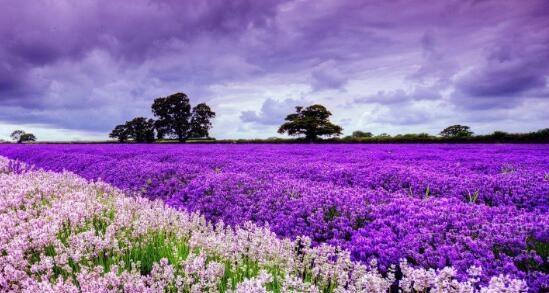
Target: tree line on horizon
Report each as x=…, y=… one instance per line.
x=175, y=119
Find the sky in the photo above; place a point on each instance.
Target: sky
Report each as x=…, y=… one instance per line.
x=72, y=70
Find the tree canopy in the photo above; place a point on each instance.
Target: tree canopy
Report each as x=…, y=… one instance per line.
x=139, y=129
x=312, y=121
x=456, y=131
x=174, y=117
x=21, y=136
x=361, y=134
x=201, y=121
x=120, y=132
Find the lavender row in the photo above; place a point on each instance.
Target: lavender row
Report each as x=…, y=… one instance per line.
x=489, y=174
x=60, y=233
x=434, y=206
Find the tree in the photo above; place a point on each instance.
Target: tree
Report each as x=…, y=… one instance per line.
x=361, y=134
x=141, y=129
x=312, y=121
x=21, y=136
x=174, y=120
x=160, y=130
x=16, y=135
x=120, y=132
x=543, y=133
x=456, y=131
x=173, y=113
x=200, y=120
x=138, y=129
x=27, y=137
x=499, y=134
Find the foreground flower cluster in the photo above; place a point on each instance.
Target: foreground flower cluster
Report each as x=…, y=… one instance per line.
x=435, y=206
x=60, y=233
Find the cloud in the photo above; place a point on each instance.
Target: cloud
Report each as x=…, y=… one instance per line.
x=45, y=32
x=401, y=96
x=272, y=112
x=91, y=64
x=514, y=70
x=505, y=76
x=436, y=64
x=327, y=75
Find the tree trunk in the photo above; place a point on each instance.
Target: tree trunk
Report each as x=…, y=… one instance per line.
x=310, y=137
x=181, y=137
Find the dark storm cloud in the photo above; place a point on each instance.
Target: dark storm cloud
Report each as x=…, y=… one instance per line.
x=502, y=80
x=79, y=49
x=515, y=69
x=39, y=33
x=59, y=58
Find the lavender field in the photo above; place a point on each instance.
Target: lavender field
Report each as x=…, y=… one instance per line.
x=477, y=213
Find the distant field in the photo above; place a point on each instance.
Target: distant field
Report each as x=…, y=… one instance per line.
x=432, y=205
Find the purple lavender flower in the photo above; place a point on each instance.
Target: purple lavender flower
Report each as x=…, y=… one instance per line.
x=432, y=205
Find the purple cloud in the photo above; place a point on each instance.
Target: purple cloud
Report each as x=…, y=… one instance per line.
x=272, y=112
x=514, y=70
x=328, y=76
x=401, y=96
x=506, y=75
x=88, y=65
